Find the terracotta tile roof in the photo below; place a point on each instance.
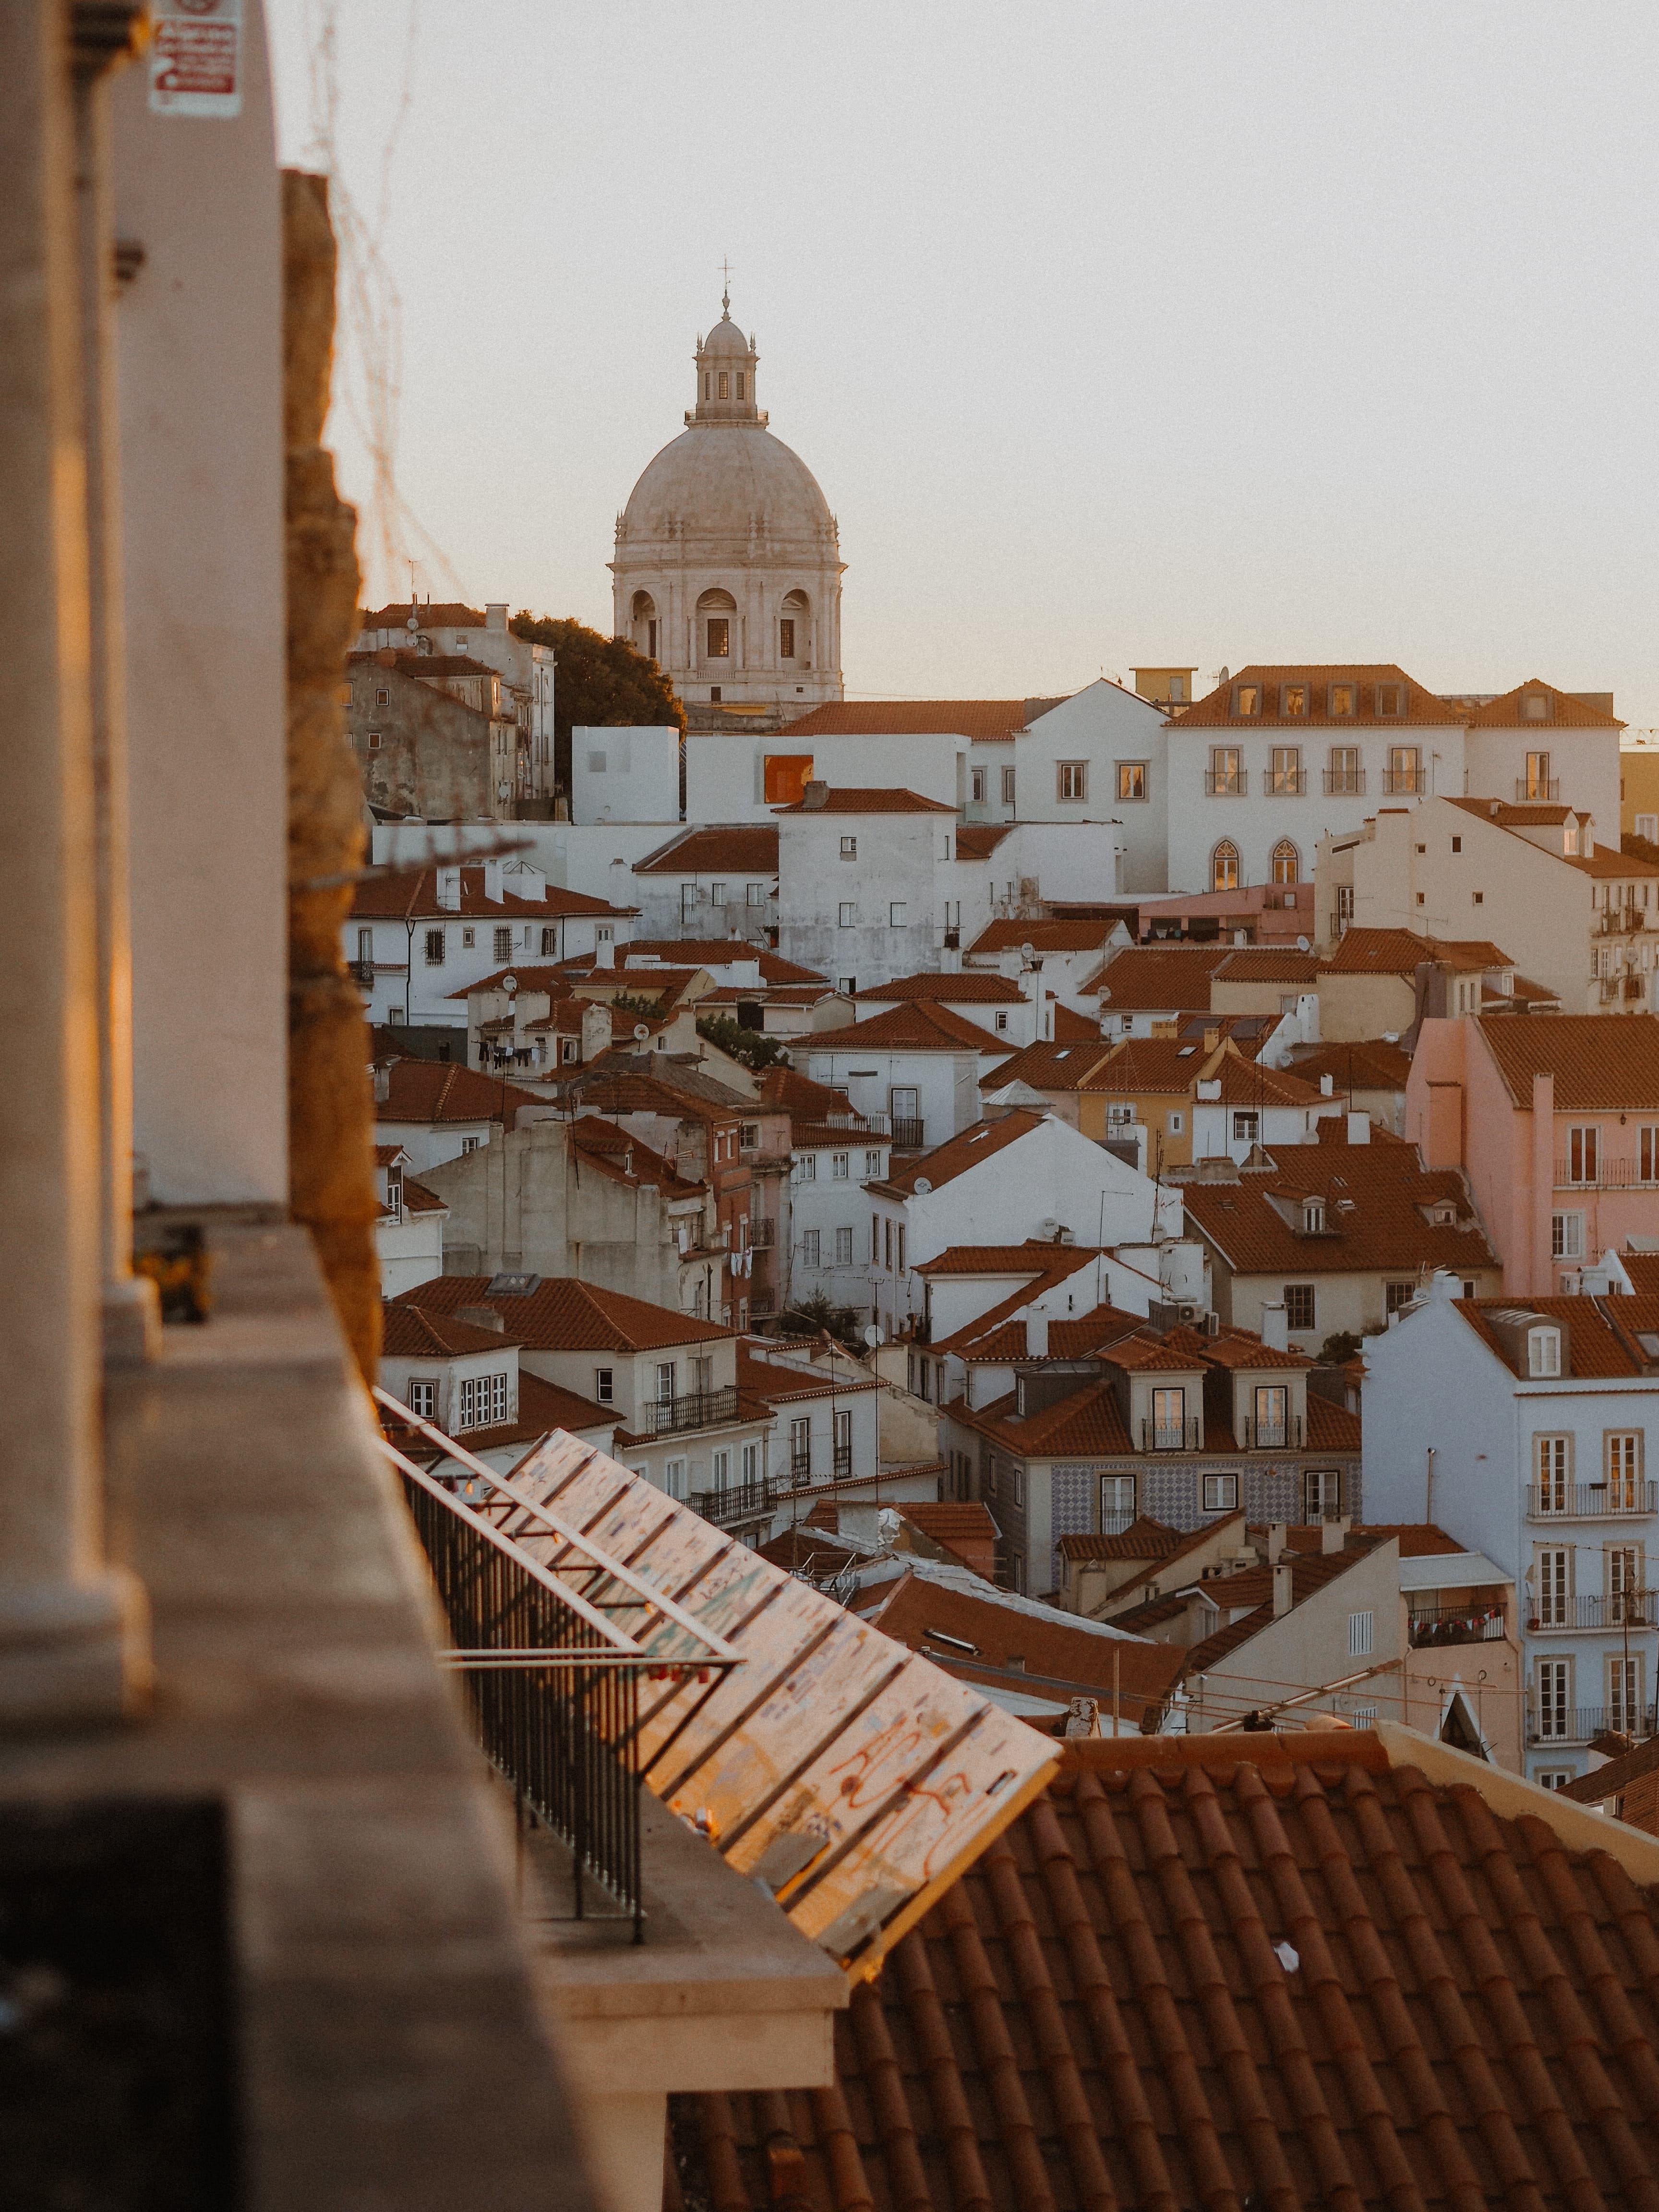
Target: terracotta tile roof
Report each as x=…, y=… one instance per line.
x=1041, y=937
x=914, y=1025
x=1073, y=1028
x=1331, y=1427
x=1401, y=952
x=1054, y=1647
x=1046, y=1066
x=386, y=1154
x=1251, y=1083
x=718, y=952
x=1643, y=1268
x=627, y=1159
x=766, y=1378
x=1150, y=1064
x=1607, y=862
x=994, y=720
x=1375, y=1196
x=1598, y=1065
x=954, y=1158
x=1600, y=1338
x=1248, y=1587
x=1278, y=1970
x=1418, y=1539
x=972, y=986
x=748, y=848
x=868, y=798
x=654, y=1083
x=999, y=1339
x=437, y=1091
x=831, y=1136
x=787, y=1089
x=1031, y=1258
x=418, y=1199
x=1567, y=713
x=1372, y=1065
x=951, y=1521
x=443, y=614
x=977, y=841
x=562, y=1315
x=1216, y=711
x=779, y=994
x=1613, y=1779
x=411, y=895
x=1268, y=963
x=1151, y=979
x=552, y=976
x=1089, y=1424
x=409, y=1332
x=1144, y=1539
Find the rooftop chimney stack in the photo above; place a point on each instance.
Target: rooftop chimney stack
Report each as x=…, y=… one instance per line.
x=1276, y=1532
x=1284, y=1591
x=1333, y=1535
x=1275, y=1331
x=1359, y=1128
x=1036, y=1336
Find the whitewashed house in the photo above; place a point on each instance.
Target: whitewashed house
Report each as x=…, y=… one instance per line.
x=858, y=899
x=409, y=1229
x=1529, y=1429
x=1098, y=758
x=913, y=1071
x=1246, y=1104
x=829, y=1246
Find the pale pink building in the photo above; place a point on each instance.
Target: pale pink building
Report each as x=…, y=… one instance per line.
x=1555, y=1118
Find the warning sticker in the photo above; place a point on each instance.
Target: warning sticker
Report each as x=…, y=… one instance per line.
x=195, y=57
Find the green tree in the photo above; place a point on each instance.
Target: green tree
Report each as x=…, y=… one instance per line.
x=845, y=1323
x=752, y=1047
x=1336, y=1351
x=597, y=680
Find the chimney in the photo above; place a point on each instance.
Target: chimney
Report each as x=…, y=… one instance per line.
x=1283, y=1595
x=1276, y=1532
x=1359, y=1128
x=1275, y=1330
x=1333, y=1535
x=449, y=890
x=1036, y=1336
x=482, y=1317
x=382, y=1083
x=605, y=951
x=492, y=884
x=814, y=798
x=950, y=960
x=1326, y=1086
x=595, y=1029
x=494, y=614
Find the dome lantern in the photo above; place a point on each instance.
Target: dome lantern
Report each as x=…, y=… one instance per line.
x=726, y=376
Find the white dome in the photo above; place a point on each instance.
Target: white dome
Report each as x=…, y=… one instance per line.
x=724, y=486
x=727, y=338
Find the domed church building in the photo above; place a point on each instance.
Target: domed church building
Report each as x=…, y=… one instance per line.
x=728, y=561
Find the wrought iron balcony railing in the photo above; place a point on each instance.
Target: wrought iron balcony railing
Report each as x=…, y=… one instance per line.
x=1624, y=1609
x=1590, y=1501
x=1273, y=1435
x=696, y=1409
x=908, y=1134
x=1169, y=1436
x=1226, y=783
x=1344, y=783
x=1455, y=1623
x=1548, y=1723
x=1287, y=783
x=741, y=1501
x=1401, y=782
x=567, y=1656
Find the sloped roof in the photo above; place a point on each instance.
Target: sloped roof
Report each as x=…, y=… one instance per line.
x=1071, y=1027
x=788, y=1088
x=1600, y=1338
x=1216, y=710
x=1371, y=1065
x=992, y=720
x=977, y=841
x=443, y=614
x=1643, y=1268
x=411, y=895
x=998, y=1338
x=627, y=1158
x=742, y=848
x=1402, y=951
x=1598, y=1065
x=1333, y=1968
x=868, y=798
x=562, y=1315
x=1043, y=937
x=411, y=1333
x=969, y=1150
x=1252, y=1083
x=1156, y=978
x=1049, y=1066
x=914, y=1025
x=436, y=1091
x=971, y=986
x=1374, y=1195
x=656, y=1083
x=1567, y=713
x=1144, y=1539
x=1150, y=1064
x=1268, y=963
x=1030, y=1258
x=717, y=952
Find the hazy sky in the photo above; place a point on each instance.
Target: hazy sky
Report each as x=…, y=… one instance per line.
x=1156, y=332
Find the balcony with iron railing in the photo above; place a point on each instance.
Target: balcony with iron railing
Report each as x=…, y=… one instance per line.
x=1287, y=783
x=740, y=1502
x=694, y=1409
x=1603, y=1174
x=1620, y=920
x=1537, y=790
x=908, y=1134
x=1172, y=1436
x=1344, y=783
x=762, y=1233
x=1226, y=783
x=1565, y=1724
x=1430, y=1626
x=1404, y=782
x=1272, y=1436
x=1623, y=1609
x=1591, y=1501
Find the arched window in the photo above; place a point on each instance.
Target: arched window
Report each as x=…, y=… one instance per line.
x=1287, y=863
x=792, y=627
x=644, y=630
x=1224, y=866
x=715, y=610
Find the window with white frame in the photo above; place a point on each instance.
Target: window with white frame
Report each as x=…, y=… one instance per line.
x=1072, y=779
x=755, y=894
x=1246, y=1128
x=673, y=1477
x=1621, y=1568
x=848, y=915
x=800, y=1446
x=1007, y=786
x=1117, y=1503
x=976, y=783
x=1585, y=1153
x=1221, y=1493
x=1623, y=1470
x=1624, y=1711
x=1271, y=1424
x=423, y=1399
x=873, y=1163
x=1322, y=1492
x=752, y=1463
x=1170, y=1419
x=720, y=1470
x=806, y=1167
x=483, y=1401
x=839, y=1165
x=843, y=1248
x=896, y=913
x=666, y=1392
x=1361, y=1630
x=688, y=901
x=1552, y=1585
x=850, y=848
x=1552, y=1689
x=1544, y=1352
x=1567, y=1235
x=809, y=1247
x=1552, y=1467
x=604, y=1385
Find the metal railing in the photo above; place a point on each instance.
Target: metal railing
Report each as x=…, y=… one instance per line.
x=1551, y=1723
x=1223, y=783
x=567, y=1655
x=1590, y=1501
x=1400, y=782
x=762, y=1233
x=1287, y=783
x=1537, y=790
x=1344, y=783
x=1454, y=1624
x=361, y=972
x=740, y=1501
x=1115, y=1524
x=1608, y=1175
x=1160, y=1436
x=908, y=1133
x=1624, y=1609
x=695, y=1409
x=1273, y=1435
x=1620, y=921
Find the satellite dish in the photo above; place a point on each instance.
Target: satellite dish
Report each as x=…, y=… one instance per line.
x=641, y=1030
x=1301, y=944
x=921, y=1186
x=1027, y=951
x=509, y=984
x=414, y=622
x=872, y=1335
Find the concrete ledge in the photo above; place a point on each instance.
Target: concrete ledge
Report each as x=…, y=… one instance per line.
x=382, y=1983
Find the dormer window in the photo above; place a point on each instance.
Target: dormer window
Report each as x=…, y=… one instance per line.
x=1390, y=699
x=1534, y=707
x=1293, y=701
x=1345, y=702
x=1247, y=699
x=1313, y=1215
x=1544, y=1352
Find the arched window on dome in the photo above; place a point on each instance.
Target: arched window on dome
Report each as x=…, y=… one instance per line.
x=1287, y=863
x=714, y=611
x=1224, y=866
x=794, y=632
x=644, y=624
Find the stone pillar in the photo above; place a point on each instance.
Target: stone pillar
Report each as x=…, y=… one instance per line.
x=331, y=1109
x=73, y=1641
